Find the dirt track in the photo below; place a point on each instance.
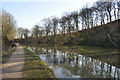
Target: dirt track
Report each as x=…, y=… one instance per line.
x=13, y=68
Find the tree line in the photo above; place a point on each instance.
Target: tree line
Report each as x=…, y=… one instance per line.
x=87, y=17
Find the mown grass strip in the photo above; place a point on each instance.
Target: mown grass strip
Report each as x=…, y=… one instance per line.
x=34, y=67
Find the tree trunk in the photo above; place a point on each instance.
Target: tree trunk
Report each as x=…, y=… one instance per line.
x=110, y=17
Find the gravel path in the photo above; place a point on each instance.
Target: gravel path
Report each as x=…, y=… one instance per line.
x=13, y=68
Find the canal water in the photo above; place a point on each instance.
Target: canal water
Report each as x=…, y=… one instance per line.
x=67, y=63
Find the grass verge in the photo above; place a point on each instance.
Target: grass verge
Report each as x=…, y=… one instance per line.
x=34, y=67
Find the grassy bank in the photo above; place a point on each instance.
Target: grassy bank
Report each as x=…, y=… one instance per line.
x=6, y=55
x=35, y=67
x=106, y=35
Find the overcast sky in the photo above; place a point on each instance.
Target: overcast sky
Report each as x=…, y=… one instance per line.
x=28, y=13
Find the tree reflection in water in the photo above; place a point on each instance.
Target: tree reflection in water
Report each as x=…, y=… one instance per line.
x=73, y=65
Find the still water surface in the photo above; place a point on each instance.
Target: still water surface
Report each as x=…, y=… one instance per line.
x=66, y=64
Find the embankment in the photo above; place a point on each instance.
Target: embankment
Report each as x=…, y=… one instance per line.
x=107, y=35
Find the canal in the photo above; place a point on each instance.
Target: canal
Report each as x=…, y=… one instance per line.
x=79, y=61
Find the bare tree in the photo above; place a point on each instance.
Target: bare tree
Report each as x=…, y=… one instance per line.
x=108, y=8
x=75, y=16
x=36, y=31
x=118, y=11
x=63, y=24
x=55, y=24
x=86, y=17
x=47, y=24
x=114, y=9
x=99, y=8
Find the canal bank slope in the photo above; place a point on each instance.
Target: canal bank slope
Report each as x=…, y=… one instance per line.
x=107, y=35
